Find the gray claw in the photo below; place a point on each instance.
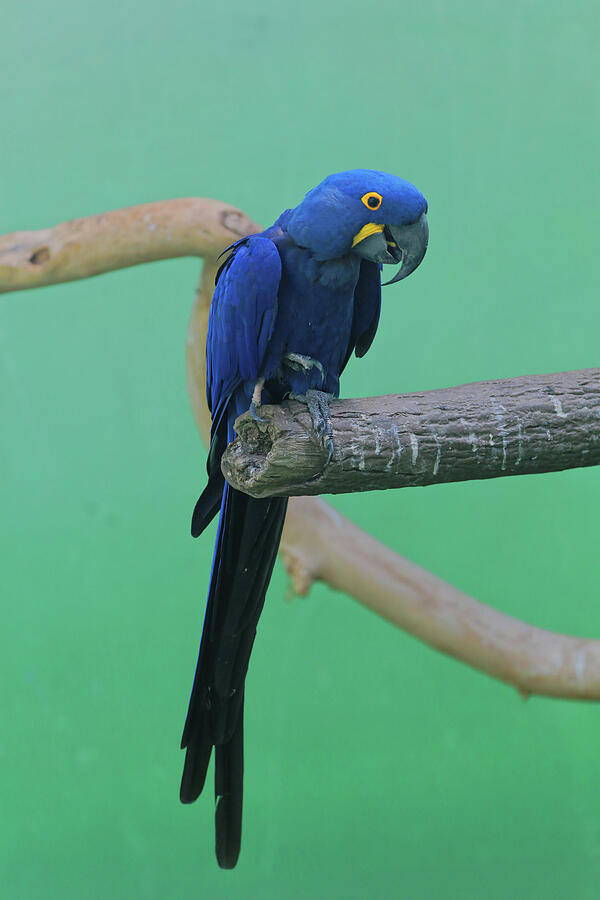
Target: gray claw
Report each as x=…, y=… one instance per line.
x=254, y=407
x=330, y=450
x=298, y=362
x=318, y=407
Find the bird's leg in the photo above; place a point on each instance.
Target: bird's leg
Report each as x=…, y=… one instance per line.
x=299, y=363
x=255, y=403
x=318, y=407
x=317, y=401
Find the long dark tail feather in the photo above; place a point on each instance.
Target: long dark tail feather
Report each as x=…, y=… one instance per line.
x=209, y=504
x=229, y=786
x=247, y=542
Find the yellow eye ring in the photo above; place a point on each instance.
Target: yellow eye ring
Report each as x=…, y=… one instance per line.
x=372, y=200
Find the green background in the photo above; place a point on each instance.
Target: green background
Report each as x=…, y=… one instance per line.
x=375, y=766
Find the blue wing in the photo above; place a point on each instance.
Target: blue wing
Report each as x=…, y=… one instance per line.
x=367, y=306
x=241, y=323
x=242, y=318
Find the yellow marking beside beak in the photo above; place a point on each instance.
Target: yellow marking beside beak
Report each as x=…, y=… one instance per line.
x=366, y=231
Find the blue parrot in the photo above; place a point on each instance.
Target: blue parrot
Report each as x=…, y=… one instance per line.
x=290, y=306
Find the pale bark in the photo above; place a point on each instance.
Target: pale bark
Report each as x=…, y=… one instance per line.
x=80, y=248
x=322, y=545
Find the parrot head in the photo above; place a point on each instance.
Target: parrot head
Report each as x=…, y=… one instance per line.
x=377, y=216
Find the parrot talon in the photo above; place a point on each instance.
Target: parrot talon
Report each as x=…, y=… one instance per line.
x=253, y=410
x=318, y=407
x=300, y=363
x=255, y=403
x=330, y=450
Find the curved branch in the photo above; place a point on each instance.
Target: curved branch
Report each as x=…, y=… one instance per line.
x=518, y=426
x=531, y=659
x=81, y=248
x=320, y=544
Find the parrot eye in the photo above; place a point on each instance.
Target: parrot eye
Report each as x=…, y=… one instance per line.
x=372, y=200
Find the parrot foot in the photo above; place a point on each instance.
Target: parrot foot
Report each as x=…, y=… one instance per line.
x=255, y=403
x=300, y=363
x=318, y=407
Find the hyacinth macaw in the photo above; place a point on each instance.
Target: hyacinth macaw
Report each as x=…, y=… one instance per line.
x=290, y=306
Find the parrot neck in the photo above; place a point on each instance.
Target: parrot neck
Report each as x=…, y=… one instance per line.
x=336, y=273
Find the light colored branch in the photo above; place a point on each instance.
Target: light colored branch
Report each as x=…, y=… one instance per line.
x=318, y=543
x=518, y=426
x=196, y=350
x=80, y=248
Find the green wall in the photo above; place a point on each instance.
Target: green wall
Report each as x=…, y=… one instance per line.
x=375, y=766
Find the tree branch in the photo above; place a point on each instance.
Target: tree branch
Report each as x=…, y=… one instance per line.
x=318, y=543
x=80, y=248
x=518, y=426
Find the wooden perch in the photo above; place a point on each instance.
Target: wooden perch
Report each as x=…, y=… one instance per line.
x=518, y=426
x=318, y=543
x=192, y=226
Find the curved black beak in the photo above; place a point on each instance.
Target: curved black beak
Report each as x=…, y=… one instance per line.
x=411, y=241
x=397, y=243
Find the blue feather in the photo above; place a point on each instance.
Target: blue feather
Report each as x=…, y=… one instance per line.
x=242, y=317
